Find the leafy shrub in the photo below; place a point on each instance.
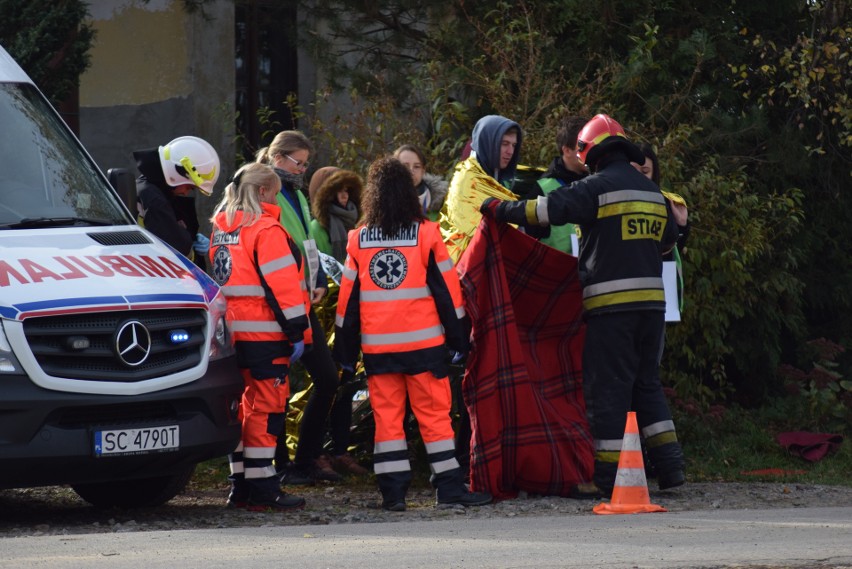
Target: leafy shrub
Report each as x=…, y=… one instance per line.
x=820, y=398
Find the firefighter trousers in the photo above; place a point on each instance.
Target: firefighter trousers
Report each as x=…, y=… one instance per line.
x=620, y=374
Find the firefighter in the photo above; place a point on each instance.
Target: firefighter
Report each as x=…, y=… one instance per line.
x=260, y=271
x=165, y=203
x=626, y=226
x=400, y=304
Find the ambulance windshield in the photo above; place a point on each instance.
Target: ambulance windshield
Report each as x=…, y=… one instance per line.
x=46, y=178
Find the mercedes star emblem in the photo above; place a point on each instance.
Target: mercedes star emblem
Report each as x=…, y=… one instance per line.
x=133, y=343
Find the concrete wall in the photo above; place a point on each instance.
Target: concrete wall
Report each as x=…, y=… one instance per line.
x=158, y=73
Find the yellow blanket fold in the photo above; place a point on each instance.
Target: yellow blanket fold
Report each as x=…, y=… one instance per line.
x=460, y=215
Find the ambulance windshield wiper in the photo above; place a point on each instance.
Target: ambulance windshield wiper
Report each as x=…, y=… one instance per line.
x=55, y=222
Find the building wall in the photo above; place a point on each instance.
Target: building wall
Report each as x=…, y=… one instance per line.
x=158, y=73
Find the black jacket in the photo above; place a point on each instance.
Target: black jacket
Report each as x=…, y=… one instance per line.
x=626, y=225
x=159, y=208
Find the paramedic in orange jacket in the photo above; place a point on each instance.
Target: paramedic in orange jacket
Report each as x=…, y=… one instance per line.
x=260, y=271
x=400, y=304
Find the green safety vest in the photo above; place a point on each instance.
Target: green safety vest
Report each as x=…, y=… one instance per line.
x=560, y=235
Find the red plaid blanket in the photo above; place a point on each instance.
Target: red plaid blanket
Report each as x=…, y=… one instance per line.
x=523, y=383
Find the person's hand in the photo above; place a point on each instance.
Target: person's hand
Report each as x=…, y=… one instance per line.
x=348, y=375
x=201, y=244
x=458, y=357
x=348, y=367
x=318, y=295
x=489, y=207
x=298, y=350
x=681, y=214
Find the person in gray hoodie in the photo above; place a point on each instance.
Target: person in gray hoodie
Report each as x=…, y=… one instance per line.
x=489, y=171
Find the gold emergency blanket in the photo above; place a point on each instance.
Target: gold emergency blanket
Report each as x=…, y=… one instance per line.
x=460, y=215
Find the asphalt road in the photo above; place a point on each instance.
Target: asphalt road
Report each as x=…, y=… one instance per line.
x=800, y=537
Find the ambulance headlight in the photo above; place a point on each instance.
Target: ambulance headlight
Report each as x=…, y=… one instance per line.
x=8, y=362
x=221, y=341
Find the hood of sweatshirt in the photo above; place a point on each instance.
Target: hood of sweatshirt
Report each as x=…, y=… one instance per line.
x=487, y=136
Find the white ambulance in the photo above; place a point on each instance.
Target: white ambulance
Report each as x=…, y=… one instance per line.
x=117, y=372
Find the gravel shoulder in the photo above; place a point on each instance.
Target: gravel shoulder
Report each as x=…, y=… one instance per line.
x=58, y=511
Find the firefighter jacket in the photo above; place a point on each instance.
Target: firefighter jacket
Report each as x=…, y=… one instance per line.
x=260, y=271
x=626, y=226
x=556, y=177
x=402, y=295
x=158, y=208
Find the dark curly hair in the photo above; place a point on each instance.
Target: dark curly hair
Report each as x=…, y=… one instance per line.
x=390, y=200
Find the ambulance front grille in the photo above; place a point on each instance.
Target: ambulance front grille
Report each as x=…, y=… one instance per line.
x=87, y=346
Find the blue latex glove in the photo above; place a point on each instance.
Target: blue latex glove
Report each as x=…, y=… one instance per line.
x=201, y=244
x=348, y=367
x=458, y=357
x=298, y=350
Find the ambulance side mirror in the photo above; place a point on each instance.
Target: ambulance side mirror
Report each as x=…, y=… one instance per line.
x=125, y=186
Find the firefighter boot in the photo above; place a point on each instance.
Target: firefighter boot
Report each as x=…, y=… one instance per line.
x=668, y=463
x=450, y=489
x=604, y=477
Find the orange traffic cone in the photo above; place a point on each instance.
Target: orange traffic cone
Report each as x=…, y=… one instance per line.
x=630, y=493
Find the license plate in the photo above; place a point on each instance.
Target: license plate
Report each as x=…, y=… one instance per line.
x=137, y=441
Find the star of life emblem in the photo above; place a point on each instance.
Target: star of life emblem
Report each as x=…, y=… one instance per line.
x=388, y=268
x=221, y=265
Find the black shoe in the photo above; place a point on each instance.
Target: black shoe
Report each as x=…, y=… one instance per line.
x=585, y=491
x=279, y=503
x=237, y=500
x=294, y=476
x=468, y=499
x=671, y=479
x=393, y=506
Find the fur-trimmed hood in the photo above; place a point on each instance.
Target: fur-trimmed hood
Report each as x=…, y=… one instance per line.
x=327, y=193
x=437, y=188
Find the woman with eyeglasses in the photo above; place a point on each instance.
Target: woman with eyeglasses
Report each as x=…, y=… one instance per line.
x=288, y=154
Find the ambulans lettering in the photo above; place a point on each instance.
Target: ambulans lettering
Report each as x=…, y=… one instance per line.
x=36, y=272
x=375, y=237
x=641, y=227
x=7, y=273
x=28, y=271
x=72, y=272
x=149, y=266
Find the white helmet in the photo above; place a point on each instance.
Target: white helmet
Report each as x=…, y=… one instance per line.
x=190, y=160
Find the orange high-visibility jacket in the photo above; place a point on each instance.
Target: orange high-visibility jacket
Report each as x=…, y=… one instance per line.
x=402, y=294
x=260, y=271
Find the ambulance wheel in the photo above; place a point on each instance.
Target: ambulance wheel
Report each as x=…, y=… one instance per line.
x=137, y=493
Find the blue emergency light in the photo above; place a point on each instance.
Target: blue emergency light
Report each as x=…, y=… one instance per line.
x=178, y=336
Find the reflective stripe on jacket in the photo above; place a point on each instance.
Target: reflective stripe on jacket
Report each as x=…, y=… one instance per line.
x=259, y=269
x=626, y=225
x=401, y=293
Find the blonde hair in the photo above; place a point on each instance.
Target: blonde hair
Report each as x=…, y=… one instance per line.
x=285, y=142
x=243, y=193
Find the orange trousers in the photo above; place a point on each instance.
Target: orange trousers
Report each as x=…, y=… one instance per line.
x=430, y=399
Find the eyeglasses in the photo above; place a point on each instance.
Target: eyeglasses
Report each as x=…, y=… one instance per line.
x=298, y=163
